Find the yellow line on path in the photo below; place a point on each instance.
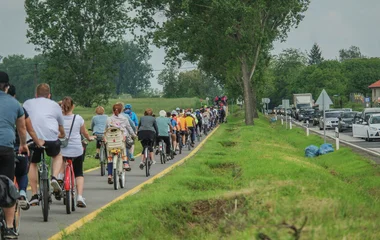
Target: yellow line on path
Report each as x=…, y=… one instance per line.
x=134, y=190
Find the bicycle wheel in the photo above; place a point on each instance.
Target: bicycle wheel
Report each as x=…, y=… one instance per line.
x=44, y=193
x=102, y=161
x=73, y=201
x=68, y=200
x=188, y=145
x=17, y=218
x=147, y=162
x=116, y=161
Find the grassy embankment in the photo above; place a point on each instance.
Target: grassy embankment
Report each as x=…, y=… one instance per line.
x=138, y=105
x=251, y=183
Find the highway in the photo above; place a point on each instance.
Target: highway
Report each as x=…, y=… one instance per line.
x=97, y=193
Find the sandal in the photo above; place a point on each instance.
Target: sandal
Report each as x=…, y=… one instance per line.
x=127, y=167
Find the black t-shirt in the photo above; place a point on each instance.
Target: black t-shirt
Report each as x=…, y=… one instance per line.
x=17, y=141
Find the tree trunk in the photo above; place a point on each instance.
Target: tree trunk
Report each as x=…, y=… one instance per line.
x=254, y=103
x=248, y=93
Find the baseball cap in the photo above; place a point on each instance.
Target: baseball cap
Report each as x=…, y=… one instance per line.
x=4, y=78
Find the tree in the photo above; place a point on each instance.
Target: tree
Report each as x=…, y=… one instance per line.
x=315, y=55
x=168, y=78
x=286, y=68
x=236, y=33
x=351, y=53
x=134, y=71
x=78, y=38
x=22, y=74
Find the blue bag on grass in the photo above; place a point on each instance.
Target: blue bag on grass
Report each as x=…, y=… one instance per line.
x=311, y=151
x=326, y=148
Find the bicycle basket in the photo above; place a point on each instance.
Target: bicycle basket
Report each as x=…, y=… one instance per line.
x=114, y=138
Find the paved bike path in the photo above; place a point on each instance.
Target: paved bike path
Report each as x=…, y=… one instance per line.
x=97, y=193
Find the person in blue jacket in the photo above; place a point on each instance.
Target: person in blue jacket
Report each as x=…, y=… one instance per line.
x=135, y=120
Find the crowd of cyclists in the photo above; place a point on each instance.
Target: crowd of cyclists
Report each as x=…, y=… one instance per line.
x=55, y=129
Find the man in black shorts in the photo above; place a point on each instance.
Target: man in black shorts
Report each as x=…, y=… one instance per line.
x=47, y=120
x=11, y=114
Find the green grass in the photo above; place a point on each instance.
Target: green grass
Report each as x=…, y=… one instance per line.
x=138, y=105
x=250, y=182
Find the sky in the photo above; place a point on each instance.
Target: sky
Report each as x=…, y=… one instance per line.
x=332, y=24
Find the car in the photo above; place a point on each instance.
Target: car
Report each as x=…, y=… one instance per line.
x=308, y=115
x=316, y=116
x=301, y=113
x=345, y=120
x=368, y=130
x=331, y=120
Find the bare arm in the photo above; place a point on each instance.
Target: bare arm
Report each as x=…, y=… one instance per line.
x=61, y=132
x=84, y=131
x=21, y=129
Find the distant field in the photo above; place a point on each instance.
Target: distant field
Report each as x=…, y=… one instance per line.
x=138, y=105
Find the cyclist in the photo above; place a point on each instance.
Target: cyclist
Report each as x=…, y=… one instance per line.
x=21, y=171
x=147, y=132
x=199, y=117
x=74, y=149
x=174, y=124
x=132, y=116
x=11, y=114
x=164, y=127
x=190, y=123
x=183, y=128
x=119, y=120
x=47, y=120
x=206, y=120
x=98, y=124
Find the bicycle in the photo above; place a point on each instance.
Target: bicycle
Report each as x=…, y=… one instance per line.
x=115, y=146
x=44, y=183
x=188, y=140
x=162, y=150
x=69, y=194
x=102, y=154
x=147, y=159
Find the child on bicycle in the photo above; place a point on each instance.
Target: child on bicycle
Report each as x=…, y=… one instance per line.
x=98, y=124
x=120, y=121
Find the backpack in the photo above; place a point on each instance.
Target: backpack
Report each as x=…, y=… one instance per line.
x=199, y=117
x=8, y=192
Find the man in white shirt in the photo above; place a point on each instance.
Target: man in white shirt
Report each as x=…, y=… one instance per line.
x=47, y=120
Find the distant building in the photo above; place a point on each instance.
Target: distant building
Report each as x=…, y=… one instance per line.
x=375, y=91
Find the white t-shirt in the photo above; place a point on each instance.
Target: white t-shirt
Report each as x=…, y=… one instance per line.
x=74, y=148
x=46, y=116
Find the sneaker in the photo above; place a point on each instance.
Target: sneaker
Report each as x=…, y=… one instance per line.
x=152, y=162
x=81, y=202
x=110, y=181
x=142, y=165
x=9, y=233
x=132, y=159
x=97, y=156
x=55, y=185
x=24, y=203
x=35, y=200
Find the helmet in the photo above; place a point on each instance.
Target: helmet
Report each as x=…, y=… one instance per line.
x=129, y=106
x=187, y=113
x=174, y=112
x=178, y=109
x=162, y=113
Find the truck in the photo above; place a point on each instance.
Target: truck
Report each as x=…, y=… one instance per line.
x=302, y=101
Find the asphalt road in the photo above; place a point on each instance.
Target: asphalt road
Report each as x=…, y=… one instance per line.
x=97, y=193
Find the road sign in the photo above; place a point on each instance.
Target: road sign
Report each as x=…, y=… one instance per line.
x=265, y=100
x=367, y=99
x=285, y=103
x=324, y=101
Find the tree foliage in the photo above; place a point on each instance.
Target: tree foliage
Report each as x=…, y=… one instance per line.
x=315, y=55
x=351, y=53
x=134, y=71
x=78, y=38
x=188, y=84
x=234, y=34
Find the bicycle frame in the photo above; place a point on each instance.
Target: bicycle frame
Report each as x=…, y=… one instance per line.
x=69, y=174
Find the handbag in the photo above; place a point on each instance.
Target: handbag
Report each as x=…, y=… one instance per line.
x=65, y=141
